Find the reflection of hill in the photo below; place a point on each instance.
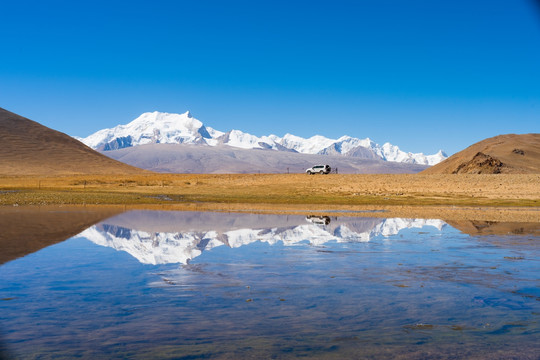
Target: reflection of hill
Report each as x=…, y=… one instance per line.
x=186, y=235
x=29, y=229
x=495, y=228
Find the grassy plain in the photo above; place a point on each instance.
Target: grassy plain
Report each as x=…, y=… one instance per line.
x=275, y=190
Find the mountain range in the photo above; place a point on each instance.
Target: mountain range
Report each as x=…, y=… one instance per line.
x=179, y=143
x=165, y=128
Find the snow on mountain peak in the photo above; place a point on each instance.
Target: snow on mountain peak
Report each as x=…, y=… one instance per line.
x=313, y=145
x=148, y=128
x=161, y=127
x=161, y=120
x=239, y=139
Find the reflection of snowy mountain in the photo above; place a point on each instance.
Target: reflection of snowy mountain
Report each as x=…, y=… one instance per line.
x=186, y=234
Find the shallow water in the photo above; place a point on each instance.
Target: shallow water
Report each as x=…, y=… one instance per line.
x=193, y=285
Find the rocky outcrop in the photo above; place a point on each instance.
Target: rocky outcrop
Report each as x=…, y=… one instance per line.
x=480, y=164
x=503, y=154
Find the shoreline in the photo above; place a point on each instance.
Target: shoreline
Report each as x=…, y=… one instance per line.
x=454, y=197
x=445, y=213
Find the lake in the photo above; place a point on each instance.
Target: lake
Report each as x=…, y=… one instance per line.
x=190, y=285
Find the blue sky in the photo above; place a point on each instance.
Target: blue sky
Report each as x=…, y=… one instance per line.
x=422, y=74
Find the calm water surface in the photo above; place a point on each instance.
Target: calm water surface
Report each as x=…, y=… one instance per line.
x=194, y=285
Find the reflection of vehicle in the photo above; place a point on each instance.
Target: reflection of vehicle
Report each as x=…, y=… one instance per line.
x=320, y=169
x=321, y=220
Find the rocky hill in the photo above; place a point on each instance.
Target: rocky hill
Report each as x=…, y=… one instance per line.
x=503, y=154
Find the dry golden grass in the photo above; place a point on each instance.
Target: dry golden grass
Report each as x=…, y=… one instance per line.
x=460, y=190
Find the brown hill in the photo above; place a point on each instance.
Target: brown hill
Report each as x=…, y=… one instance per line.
x=29, y=148
x=503, y=154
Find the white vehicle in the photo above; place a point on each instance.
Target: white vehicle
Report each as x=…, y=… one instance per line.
x=318, y=220
x=319, y=169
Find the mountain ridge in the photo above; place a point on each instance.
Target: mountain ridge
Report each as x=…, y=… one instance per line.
x=223, y=159
x=159, y=128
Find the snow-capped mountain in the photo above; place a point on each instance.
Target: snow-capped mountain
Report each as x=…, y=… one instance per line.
x=164, y=128
x=155, y=247
x=151, y=128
